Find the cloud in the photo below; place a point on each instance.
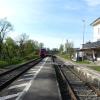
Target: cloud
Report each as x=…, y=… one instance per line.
x=93, y=3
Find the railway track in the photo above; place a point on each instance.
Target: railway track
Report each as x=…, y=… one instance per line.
x=76, y=89
x=9, y=76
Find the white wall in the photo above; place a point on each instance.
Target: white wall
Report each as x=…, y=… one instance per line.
x=96, y=33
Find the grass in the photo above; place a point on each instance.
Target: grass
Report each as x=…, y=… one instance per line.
x=64, y=56
x=6, y=64
x=79, y=62
x=83, y=62
x=15, y=61
x=93, y=66
x=97, y=68
x=3, y=64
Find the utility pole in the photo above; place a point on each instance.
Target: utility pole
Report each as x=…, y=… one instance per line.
x=83, y=38
x=83, y=30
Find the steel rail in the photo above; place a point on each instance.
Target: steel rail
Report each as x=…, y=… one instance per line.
x=91, y=86
x=12, y=69
x=87, y=83
x=70, y=89
x=72, y=94
x=9, y=76
x=85, y=92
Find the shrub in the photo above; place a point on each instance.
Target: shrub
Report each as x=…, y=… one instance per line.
x=3, y=64
x=15, y=60
x=31, y=56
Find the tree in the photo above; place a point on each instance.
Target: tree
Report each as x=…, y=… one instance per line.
x=22, y=39
x=61, y=48
x=69, y=48
x=55, y=51
x=41, y=45
x=5, y=27
x=29, y=46
x=66, y=46
x=10, y=47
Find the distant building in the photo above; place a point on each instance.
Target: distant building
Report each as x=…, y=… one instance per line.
x=96, y=29
x=91, y=50
x=77, y=54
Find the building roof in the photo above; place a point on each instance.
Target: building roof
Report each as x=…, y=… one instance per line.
x=95, y=22
x=91, y=45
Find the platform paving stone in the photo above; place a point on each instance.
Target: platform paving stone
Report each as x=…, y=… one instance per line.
x=44, y=86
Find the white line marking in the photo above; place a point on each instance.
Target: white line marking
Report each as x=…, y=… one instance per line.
x=29, y=74
x=29, y=84
x=25, y=79
x=16, y=86
x=35, y=69
x=10, y=96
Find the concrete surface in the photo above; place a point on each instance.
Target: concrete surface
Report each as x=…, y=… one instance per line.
x=44, y=86
x=38, y=83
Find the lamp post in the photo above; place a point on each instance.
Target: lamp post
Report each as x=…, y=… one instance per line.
x=83, y=30
x=83, y=37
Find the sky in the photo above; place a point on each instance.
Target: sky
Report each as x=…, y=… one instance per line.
x=51, y=22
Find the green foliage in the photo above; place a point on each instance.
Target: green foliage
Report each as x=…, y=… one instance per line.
x=66, y=56
x=5, y=27
x=15, y=60
x=10, y=47
x=54, y=51
x=29, y=47
x=41, y=45
x=69, y=48
x=97, y=68
x=61, y=48
x=3, y=64
x=14, y=52
x=83, y=62
x=31, y=56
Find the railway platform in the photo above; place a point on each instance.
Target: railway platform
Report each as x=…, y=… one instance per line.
x=38, y=83
x=44, y=86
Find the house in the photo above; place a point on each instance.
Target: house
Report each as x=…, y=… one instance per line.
x=96, y=29
x=91, y=50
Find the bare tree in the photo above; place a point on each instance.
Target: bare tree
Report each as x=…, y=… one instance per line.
x=69, y=48
x=5, y=27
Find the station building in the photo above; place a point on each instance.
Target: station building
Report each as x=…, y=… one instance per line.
x=91, y=50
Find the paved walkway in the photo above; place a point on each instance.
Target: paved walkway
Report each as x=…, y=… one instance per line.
x=45, y=85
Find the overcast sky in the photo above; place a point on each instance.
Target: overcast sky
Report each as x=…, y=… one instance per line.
x=51, y=21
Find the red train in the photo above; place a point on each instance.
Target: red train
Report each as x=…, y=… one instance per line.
x=43, y=53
